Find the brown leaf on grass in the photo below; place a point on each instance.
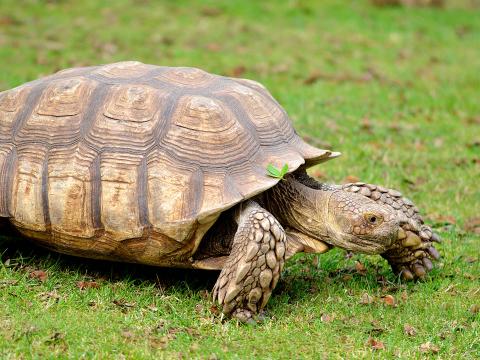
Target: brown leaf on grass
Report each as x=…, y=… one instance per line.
x=39, y=275
x=214, y=310
x=375, y=344
x=350, y=179
x=326, y=318
x=366, y=299
x=409, y=330
x=237, y=71
x=404, y=295
x=160, y=343
x=211, y=11
x=214, y=47
x=361, y=269
x=444, y=219
x=82, y=285
x=472, y=225
x=366, y=125
x=428, y=347
x=7, y=20
x=475, y=309
x=127, y=334
x=389, y=300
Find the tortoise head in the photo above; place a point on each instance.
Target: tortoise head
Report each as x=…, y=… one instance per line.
x=357, y=223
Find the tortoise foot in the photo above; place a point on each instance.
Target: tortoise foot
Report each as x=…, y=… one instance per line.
x=253, y=268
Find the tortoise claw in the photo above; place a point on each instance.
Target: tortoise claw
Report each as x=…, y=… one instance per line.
x=406, y=274
x=419, y=270
x=427, y=263
x=436, y=238
x=433, y=252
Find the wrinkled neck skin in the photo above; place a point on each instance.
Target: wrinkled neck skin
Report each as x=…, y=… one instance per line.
x=328, y=214
x=300, y=207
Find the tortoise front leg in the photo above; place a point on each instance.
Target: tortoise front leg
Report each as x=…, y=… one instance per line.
x=410, y=256
x=253, y=268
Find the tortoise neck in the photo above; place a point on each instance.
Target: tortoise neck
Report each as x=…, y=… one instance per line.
x=300, y=207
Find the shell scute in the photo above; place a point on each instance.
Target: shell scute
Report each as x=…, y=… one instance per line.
x=186, y=77
x=124, y=70
x=128, y=119
x=11, y=102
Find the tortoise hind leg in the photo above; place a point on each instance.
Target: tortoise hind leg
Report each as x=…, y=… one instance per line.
x=253, y=268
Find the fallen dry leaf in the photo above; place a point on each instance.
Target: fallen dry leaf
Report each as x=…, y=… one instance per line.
x=472, y=225
x=39, y=275
x=326, y=318
x=82, y=285
x=428, y=347
x=215, y=47
x=361, y=269
x=350, y=179
x=127, y=334
x=375, y=344
x=444, y=219
x=366, y=125
x=366, y=299
x=409, y=330
x=211, y=11
x=214, y=310
x=237, y=71
x=389, y=300
x=475, y=309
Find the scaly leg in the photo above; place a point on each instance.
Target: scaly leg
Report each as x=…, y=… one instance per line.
x=410, y=256
x=253, y=268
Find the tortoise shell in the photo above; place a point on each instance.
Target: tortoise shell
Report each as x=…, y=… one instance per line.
x=135, y=162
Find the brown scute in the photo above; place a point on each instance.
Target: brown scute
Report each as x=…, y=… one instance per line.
x=59, y=108
x=135, y=162
x=123, y=70
x=7, y=170
x=11, y=103
x=186, y=77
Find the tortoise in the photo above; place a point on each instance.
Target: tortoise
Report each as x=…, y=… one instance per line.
x=167, y=166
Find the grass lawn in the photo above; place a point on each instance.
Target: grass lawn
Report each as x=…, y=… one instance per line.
x=396, y=89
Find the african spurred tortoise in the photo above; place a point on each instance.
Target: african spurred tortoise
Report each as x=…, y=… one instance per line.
x=167, y=166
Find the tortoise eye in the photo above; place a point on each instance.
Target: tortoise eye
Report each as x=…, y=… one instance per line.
x=373, y=219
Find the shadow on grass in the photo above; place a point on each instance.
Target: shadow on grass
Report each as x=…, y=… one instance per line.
x=301, y=278
x=24, y=253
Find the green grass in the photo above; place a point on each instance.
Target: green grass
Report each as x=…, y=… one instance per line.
x=395, y=89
